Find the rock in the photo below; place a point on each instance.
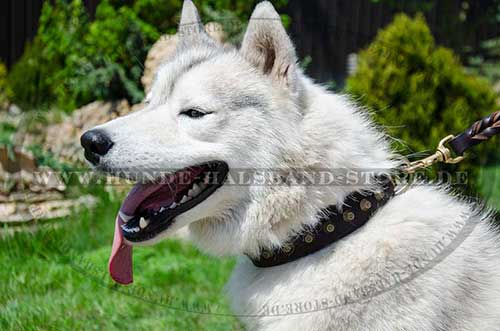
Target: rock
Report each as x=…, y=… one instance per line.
x=16, y=160
x=63, y=139
x=7, y=210
x=98, y=112
x=12, y=213
x=216, y=31
x=137, y=107
x=159, y=52
x=14, y=110
x=165, y=47
x=27, y=196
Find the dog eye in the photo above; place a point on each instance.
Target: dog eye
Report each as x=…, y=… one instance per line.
x=193, y=113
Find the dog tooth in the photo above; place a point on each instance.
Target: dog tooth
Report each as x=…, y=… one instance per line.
x=143, y=222
x=173, y=205
x=162, y=209
x=125, y=218
x=196, y=190
x=184, y=199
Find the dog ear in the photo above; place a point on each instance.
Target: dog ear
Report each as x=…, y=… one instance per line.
x=191, y=30
x=267, y=46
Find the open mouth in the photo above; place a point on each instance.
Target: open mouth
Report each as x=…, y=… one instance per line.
x=151, y=208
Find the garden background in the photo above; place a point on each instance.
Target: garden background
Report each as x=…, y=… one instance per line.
x=425, y=69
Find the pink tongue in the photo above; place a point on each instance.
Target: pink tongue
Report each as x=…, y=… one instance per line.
x=120, y=261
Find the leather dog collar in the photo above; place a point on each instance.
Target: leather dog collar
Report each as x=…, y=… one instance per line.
x=333, y=225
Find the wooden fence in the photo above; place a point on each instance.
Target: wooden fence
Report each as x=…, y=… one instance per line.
x=326, y=30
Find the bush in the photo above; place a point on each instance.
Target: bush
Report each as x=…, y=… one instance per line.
x=162, y=14
x=41, y=77
x=5, y=91
x=115, y=49
x=420, y=92
x=73, y=61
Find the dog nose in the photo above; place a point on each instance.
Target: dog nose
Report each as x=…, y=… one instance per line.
x=96, y=144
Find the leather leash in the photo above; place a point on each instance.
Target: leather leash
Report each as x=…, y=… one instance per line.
x=480, y=131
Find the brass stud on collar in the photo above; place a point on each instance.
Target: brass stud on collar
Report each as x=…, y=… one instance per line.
x=308, y=238
x=348, y=216
x=287, y=248
x=365, y=205
x=330, y=227
x=379, y=196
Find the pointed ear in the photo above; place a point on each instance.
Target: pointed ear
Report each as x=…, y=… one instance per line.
x=267, y=46
x=191, y=29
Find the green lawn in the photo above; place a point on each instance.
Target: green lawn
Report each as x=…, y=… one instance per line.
x=57, y=280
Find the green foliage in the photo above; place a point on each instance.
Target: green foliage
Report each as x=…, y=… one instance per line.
x=115, y=49
x=420, y=91
x=26, y=78
x=41, y=76
x=5, y=90
x=7, y=131
x=162, y=14
x=73, y=61
x=47, y=159
x=487, y=64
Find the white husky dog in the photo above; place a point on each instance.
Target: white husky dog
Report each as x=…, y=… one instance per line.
x=424, y=261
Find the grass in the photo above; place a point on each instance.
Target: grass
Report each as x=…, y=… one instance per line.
x=57, y=280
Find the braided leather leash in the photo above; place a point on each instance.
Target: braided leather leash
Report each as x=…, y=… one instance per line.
x=478, y=132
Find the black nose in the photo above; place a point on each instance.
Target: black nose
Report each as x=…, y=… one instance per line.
x=96, y=144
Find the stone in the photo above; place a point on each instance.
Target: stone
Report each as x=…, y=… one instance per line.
x=63, y=139
x=14, y=160
x=165, y=47
x=12, y=213
x=14, y=110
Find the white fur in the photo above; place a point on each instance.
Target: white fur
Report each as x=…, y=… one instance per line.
x=267, y=114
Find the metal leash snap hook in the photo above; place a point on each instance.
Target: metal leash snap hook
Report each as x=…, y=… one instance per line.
x=446, y=153
x=442, y=154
